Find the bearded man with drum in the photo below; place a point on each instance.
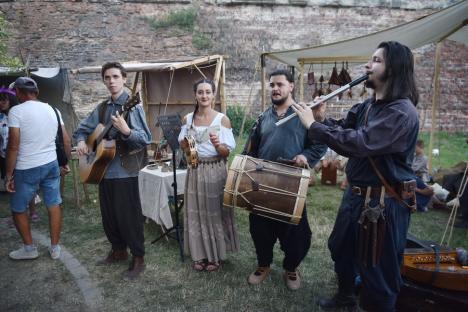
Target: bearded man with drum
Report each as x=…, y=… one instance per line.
x=269, y=142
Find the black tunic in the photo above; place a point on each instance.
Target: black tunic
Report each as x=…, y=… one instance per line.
x=389, y=137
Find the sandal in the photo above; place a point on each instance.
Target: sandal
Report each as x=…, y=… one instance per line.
x=199, y=266
x=212, y=266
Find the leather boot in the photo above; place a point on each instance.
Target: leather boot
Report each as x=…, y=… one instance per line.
x=114, y=256
x=137, y=265
x=345, y=298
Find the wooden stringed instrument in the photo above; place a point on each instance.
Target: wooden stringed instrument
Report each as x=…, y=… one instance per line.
x=191, y=154
x=93, y=166
x=441, y=269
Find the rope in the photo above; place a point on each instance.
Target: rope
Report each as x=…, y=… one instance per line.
x=453, y=213
x=169, y=91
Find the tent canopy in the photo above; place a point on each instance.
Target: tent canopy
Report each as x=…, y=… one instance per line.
x=449, y=23
x=165, y=65
x=167, y=85
x=53, y=88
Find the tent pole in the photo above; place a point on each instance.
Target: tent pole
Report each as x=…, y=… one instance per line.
x=262, y=62
x=301, y=82
x=435, y=99
x=249, y=104
x=222, y=81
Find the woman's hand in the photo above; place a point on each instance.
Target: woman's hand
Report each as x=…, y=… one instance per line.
x=184, y=145
x=214, y=140
x=222, y=149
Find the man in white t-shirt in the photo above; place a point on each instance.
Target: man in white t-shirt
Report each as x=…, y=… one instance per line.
x=31, y=164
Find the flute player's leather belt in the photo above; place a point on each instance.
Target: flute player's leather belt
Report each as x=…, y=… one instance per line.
x=404, y=189
x=375, y=191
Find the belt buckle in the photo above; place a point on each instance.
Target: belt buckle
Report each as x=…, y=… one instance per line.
x=356, y=190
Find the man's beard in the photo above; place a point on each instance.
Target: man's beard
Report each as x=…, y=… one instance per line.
x=279, y=102
x=371, y=84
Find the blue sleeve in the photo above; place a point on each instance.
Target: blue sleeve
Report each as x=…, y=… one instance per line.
x=314, y=152
x=86, y=126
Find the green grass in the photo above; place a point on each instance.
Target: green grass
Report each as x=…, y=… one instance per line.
x=169, y=285
x=453, y=148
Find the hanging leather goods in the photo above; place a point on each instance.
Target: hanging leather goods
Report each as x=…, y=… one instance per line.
x=334, y=78
x=316, y=92
x=320, y=91
x=310, y=75
x=346, y=74
x=321, y=80
x=348, y=79
x=371, y=230
x=342, y=76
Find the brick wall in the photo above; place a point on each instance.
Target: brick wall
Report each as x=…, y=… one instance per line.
x=84, y=33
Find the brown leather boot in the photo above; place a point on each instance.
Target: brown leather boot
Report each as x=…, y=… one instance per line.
x=114, y=256
x=137, y=265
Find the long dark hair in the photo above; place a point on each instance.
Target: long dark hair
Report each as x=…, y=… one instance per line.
x=195, y=87
x=11, y=99
x=399, y=72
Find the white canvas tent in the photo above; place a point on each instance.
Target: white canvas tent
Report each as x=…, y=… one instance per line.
x=167, y=85
x=53, y=88
x=449, y=23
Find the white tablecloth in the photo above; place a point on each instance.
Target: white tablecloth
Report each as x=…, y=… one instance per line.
x=155, y=187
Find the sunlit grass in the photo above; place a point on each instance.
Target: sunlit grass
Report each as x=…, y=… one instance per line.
x=170, y=285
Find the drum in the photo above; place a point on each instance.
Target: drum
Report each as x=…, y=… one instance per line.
x=266, y=188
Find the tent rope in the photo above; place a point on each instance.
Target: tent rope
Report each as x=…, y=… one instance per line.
x=169, y=91
x=453, y=213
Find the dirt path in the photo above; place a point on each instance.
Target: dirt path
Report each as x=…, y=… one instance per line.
x=43, y=284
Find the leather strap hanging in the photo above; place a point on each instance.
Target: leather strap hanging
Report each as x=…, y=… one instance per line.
x=389, y=189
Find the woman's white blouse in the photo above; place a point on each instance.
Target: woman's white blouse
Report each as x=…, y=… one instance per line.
x=202, y=137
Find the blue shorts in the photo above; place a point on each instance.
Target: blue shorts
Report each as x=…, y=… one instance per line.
x=28, y=182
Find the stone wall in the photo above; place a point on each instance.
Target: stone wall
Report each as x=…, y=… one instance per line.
x=84, y=33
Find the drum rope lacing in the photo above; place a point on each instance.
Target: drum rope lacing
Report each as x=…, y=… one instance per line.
x=236, y=193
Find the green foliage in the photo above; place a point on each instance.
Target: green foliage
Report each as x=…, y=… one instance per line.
x=183, y=19
x=180, y=22
x=5, y=59
x=236, y=114
x=200, y=41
